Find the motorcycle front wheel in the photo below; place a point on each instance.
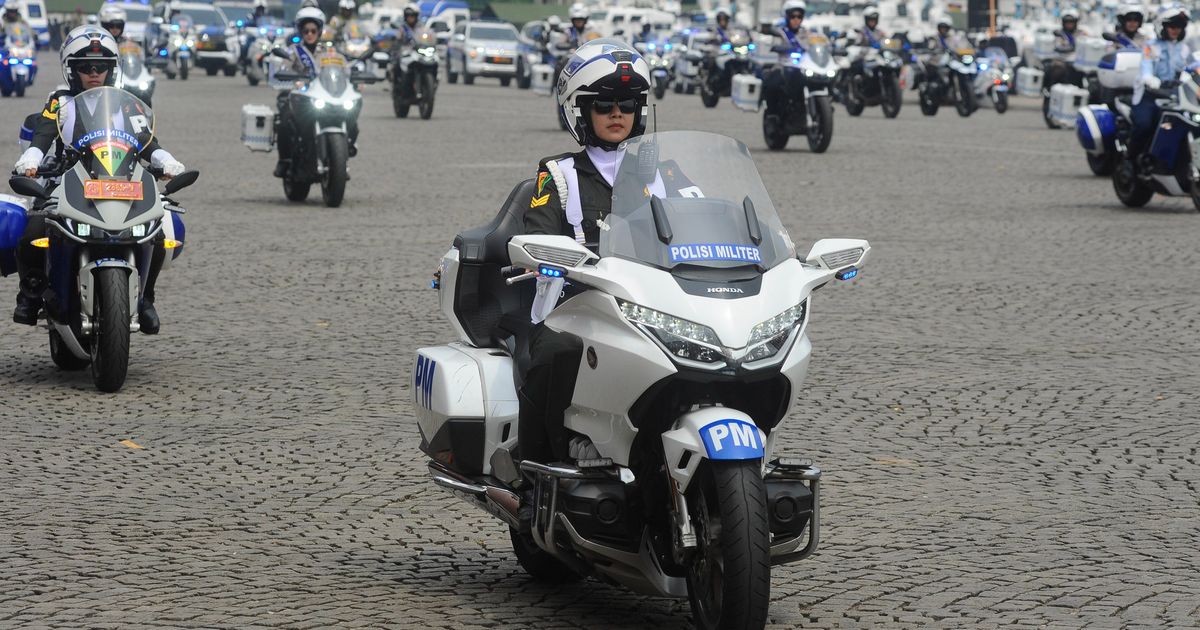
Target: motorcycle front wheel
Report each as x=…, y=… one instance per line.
x=820, y=128
x=333, y=185
x=110, y=334
x=965, y=103
x=1130, y=190
x=708, y=96
x=1000, y=101
x=929, y=104
x=19, y=86
x=660, y=89
x=729, y=577
x=428, y=89
x=893, y=98
x=183, y=69
x=399, y=100
x=774, y=132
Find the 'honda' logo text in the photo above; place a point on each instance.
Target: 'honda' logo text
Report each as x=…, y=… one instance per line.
x=725, y=290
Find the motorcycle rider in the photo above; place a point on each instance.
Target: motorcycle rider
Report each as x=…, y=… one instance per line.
x=1064, y=38
x=112, y=19
x=1129, y=23
x=12, y=18
x=89, y=60
x=945, y=38
x=346, y=10
x=1165, y=58
x=870, y=35
x=252, y=21
x=792, y=37
x=302, y=60
x=604, y=103
x=720, y=34
x=406, y=31
x=257, y=15
x=578, y=30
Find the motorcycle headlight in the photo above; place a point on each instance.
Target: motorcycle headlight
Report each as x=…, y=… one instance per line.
x=681, y=338
x=348, y=105
x=428, y=51
x=767, y=338
x=319, y=103
x=144, y=85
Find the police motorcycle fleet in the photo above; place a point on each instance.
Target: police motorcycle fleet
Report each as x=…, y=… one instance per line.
x=106, y=221
x=807, y=78
x=949, y=79
x=134, y=77
x=1102, y=127
x=694, y=328
x=721, y=65
x=878, y=83
x=1171, y=163
x=323, y=107
x=176, y=53
x=660, y=58
x=18, y=60
x=414, y=72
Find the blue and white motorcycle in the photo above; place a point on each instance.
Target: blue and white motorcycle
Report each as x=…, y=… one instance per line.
x=1101, y=127
x=693, y=349
x=18, y=61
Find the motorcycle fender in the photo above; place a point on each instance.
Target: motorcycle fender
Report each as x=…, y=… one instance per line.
x=183, y=54
x=87, y=281
x=820, y=92
x=22, y=71
x=714, y=433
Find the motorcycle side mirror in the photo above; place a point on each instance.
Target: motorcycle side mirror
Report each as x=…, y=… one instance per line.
x=180, y=181
x=843, y=256
x=1109, y=37
x=27, y=187
x=281, y=53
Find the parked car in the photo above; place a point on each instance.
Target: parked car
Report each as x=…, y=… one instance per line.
x=481, y=48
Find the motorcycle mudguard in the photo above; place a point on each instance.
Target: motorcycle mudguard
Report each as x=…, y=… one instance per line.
x=87, y=280
x=715, y=433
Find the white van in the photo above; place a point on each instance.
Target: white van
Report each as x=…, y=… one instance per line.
x=34, y=12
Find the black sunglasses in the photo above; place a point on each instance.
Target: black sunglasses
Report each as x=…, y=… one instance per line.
x=310, y=31
x=93, y=68
x=795, y=14
x=627, y=106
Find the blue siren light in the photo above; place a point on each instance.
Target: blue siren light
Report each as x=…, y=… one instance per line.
x=551, y=271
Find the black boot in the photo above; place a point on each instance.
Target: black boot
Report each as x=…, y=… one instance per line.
x=29, y=302
x=147, y=316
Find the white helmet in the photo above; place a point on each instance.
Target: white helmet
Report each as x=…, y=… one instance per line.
x=12, y=5
x=412, y=9
x=1130, y=11
x=260, y=4
x=309, y=14
x=606, y=68
x=111, y=14
x=1174, y=15
x=871, y=12
x=794, y=5
x=578, y=12
x=554, y=21
x=722, y=11
x=348, y=5
x=1069, y=13
x=87, y=43
x=939, y=19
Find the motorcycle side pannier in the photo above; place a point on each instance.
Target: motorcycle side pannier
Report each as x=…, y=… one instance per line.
x=746, y=92
x=12, y=226
x=258, y=127
x=1096, y=129
x=542, y=79
x=1119, y=69
x=1065, y=101
x=1029, y=81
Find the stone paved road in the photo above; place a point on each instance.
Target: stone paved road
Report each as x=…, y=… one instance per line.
x=1004, y=403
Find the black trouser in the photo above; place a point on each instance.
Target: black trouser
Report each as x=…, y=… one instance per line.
x=549, y=385
x=775, y=92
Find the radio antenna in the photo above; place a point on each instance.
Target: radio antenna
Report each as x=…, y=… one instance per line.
x=654, y=116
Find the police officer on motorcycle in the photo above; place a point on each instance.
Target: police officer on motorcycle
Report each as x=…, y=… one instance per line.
x=406, y=30
x=604, y=103
x=1129, y=24
x=12, y=18
x=1064, y=38
x=1166, y=57
x=346, y=11
x=791, y=37
x=870, y=34
x=578, y=29
x=720, y=34
x=112, y=19
x=89, y=60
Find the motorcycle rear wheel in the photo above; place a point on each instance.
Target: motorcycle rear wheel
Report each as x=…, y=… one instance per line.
x=729, y=577
x=540, y=566
x=110, y=335
x=428, y=90
x=820, y=131
x=333, y=185
x=399, y=100
x=295, y=191
x=1131, y=191
x=708, y=97
x=1102, y=165
x=62, y=357
x=774, y=132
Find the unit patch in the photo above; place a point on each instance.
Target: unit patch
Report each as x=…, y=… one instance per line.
x=539, y=201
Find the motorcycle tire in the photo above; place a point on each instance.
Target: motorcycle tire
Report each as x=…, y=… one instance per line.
x=170, y=75
x=660, y=90
x=183, y=70
x=929, y=105
x=775, y=132
x=252, y=79
x=428, y=90
x=230, y=71
x=964, y=104
x=1130, y=190
x=19, y=87
x=333, y=185
x=399, y=102
x=691, y=89
x=729, y=578
x=295, y=191
x=1046, y=113
x=820, y=133
x=468, y=78
x=708, y=97
x=62, y=357
x=1195, y=193
x=677, y=88
x=505, y=81
x=110, y=334
x=451, y=77
x=212, y=72
x=540, y=566
x=1000, y=101
x=524, y=79
x=1102, y=165
x=854, y=106
x=893, y=97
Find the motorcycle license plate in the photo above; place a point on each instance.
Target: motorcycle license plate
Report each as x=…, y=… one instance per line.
x=112, y=189
x=1002, y=88
x=501, y=59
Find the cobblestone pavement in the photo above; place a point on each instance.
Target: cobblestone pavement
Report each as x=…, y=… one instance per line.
x=1004, y=403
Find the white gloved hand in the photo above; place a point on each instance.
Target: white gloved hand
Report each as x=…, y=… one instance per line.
x=29, y=161
x=1152, y=82
x=165, y=162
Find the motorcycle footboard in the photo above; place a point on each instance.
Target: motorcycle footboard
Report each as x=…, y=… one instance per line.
x=788, y=484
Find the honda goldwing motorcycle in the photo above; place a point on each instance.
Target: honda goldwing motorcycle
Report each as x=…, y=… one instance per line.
x=693, y=325
x=1171, y=163
x=322, y=110
x=134, y=77
x=877, y=80
x=414, y=75
x=18, y=61
x=730, y=58
x=949, y=79
x=805, y=78
x=106, y=221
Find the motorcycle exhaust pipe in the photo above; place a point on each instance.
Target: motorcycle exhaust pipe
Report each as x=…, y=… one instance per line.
x=499, y=502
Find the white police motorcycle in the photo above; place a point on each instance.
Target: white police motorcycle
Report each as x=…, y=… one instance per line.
x=693, y=329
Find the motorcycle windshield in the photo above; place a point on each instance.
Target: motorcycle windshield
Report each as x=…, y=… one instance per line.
x=108, y=127
x=423, y=38
x=714, y=211
x=333, y=77
x=818, y=50
x=131, y=61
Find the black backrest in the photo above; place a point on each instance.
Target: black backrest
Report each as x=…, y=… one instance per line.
x=488, y=309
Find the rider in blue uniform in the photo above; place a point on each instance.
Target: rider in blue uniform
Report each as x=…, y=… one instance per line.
x=1165, y=58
